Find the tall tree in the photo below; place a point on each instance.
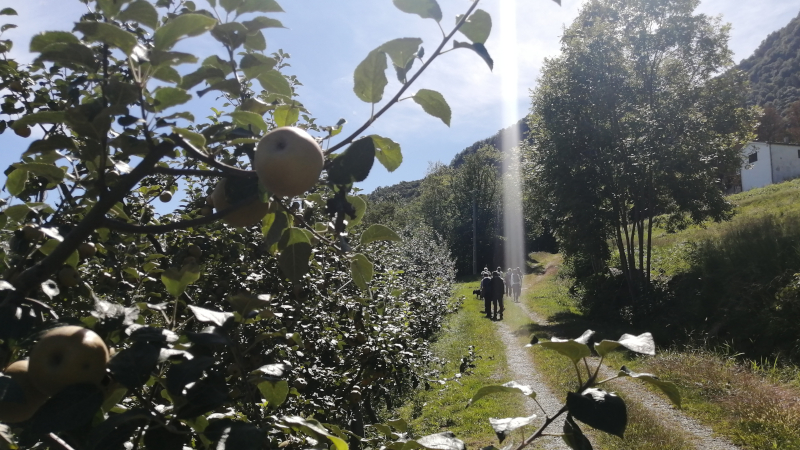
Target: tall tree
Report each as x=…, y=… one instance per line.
x=633, y=121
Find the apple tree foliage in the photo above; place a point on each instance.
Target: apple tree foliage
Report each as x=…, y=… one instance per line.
x=294, y=332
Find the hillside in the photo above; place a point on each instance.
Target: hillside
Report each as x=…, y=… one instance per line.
x=774, y=68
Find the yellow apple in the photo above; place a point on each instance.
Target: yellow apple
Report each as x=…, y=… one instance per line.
x=67, y=355
x=288, y=161
x=165, y=196
x=12, y=412
x=86, y=250
x=245, y=216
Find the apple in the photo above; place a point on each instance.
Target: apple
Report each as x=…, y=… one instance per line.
x=165, y=196
x=288, y=161
x=67, y=355
x=194, y=251
x=243, y=217
x=86, y=250
x=68, y=276
x=12, y=412
x=32, y=233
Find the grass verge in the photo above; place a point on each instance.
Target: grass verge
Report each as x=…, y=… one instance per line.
x=547, y=296
x=443, y=407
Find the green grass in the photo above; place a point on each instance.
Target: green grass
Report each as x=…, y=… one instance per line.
x=443, y=407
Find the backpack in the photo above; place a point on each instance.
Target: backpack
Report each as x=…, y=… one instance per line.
x=514, y=278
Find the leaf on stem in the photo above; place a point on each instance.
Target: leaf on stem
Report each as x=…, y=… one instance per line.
x=370, y=77
x=377, y=232
x=140, y=11
x=599, y=409
x=640, y=344
x=427, y=9
x=480, y=49
x=354, y=164
x=107, y=34
x=361, y=270
x=433, y=103
x=571, y=349
x=185, y=25
x=388, y=152
x=503, y=427
x=573, y=436
x=511, y=386
x=667, y=387
x=477, y=27
x=176, y=280
x=442, y=441
x=293, y=260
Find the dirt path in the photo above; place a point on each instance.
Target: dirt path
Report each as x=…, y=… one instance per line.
x=521, y=366
x=700, y=435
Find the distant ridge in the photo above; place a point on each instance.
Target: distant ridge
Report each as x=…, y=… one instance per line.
x=774, y=68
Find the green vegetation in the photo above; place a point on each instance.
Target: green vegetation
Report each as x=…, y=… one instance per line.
x=443, y=406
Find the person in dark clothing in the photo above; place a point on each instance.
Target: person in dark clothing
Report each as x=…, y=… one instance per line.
x=498, y=289
x=486, y=291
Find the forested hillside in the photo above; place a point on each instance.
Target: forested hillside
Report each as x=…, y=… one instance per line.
x=774, y=68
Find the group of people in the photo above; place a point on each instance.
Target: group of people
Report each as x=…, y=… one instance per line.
x=496, y=284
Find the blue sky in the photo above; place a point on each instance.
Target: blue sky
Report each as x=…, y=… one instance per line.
x=327, y=39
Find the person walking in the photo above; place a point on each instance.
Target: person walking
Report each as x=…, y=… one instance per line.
x=507, y=280
x=486, y=293
x=498, y=289
x=516, y=284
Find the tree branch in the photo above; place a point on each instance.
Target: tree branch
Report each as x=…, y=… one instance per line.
x=405, y=87
x=188, y=172
x=202, y=156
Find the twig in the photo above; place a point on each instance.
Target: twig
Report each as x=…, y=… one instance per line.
x=59, y=442
x=202, y=156
x=188, y=172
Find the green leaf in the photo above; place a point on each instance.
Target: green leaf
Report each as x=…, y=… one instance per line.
x=196, y=139
x=667, y=387
x=274, y=82
x=140, y=11
x=480, y=49
x=254, y=64
x=293, y=235
x=17, y=213
x=53, y=173
x=42, y=40
x=254, y=105
x=272, y=227
x=477, y=27
x=107, y=34
x=74, y=259
x=511, y=386
x=370, y=77
x=8, y=12
x=110, y=8
x=569, y=348
x=388, y=152
x=293, y=260
x=231, y=86
x=599, y=409
x=39, y=117
x=427, y=9
x=275, y=392
x=182, y=26
x=361, y=270
x=434, y=104
x=159, y=58
x=402, y=50
x=264, y=6
x=167, y=97
x=191, y=80
x=230, y=5
x=286, y=115
x=255, y=41
x=441, y=441
x=574, y=437
x=245, y=119
x=73, y=56
x=361, y=208
x=15, y=183
x=261, y=22
x=167, y=73
x=176, y=280
x=354, y=164
x=315, y=429
x=232, y=34
x=378, y=232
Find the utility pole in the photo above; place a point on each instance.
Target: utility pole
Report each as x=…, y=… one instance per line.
x=474, y=235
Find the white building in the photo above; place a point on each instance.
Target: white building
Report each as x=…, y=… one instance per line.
x=765, y=163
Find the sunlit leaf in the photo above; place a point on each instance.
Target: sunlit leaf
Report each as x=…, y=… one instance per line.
x=315, y=429
x=108, y=34
x=503, y=427
x=362, y=271
x=244, y=118
x=16, y=180
x=196, y=139
x=402, y=50
x=40, y=41
x=477, y=27
x=667, y=387
x=378, y=232
x=511, y=386
x=370, y=77
x=433, y=103
x=293, y=260
x=204, y=315
x=176, y=280
x=569, y=348
x=441, y=441
x=427, y=9
x=264, y=6
x=274, y=82
x=275, y=392
x=640, y=344
x=181, y=26
x=286, y=115
x=388, y=152
x=140, y=11
x=167, y=97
